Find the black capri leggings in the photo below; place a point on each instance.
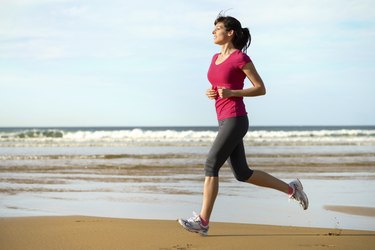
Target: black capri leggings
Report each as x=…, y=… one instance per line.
x=228, y=145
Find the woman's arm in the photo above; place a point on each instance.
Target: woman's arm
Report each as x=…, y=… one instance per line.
x=257, y=89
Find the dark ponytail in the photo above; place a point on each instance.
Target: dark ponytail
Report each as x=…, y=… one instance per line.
x=242, y=37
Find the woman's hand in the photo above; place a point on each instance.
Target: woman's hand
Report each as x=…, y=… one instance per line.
x=211, y=94
x=257, y=89
x=224, y=93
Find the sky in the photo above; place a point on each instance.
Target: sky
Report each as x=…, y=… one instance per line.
x=144, y=63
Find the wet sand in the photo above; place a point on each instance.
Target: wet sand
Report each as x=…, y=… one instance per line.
x=78, y=232
x=361, y=211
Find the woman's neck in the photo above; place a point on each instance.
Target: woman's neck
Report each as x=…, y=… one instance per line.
x=227, y=49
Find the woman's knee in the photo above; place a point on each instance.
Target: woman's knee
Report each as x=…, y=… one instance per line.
x=243, y=176
x=212, y=167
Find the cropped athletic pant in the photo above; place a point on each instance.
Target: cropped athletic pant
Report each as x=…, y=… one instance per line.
x=228, y=145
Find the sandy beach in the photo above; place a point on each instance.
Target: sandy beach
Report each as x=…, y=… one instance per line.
x=78, y=232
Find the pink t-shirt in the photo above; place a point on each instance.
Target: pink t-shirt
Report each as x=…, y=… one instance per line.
x=229, y=74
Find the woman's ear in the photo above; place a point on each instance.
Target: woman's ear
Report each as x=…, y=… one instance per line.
x=230, y=33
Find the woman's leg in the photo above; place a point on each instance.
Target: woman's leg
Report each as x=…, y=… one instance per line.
x=264, y=179
x=211, y=188
x=231, y=132
x=242, y=172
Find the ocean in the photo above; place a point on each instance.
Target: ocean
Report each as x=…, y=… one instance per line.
x=142, y=172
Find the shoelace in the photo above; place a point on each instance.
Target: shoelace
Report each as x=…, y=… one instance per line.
x=194, y=218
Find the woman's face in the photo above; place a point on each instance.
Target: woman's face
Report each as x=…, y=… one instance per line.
x=221, y=36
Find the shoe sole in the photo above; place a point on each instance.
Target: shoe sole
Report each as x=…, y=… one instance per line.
x=300, y=188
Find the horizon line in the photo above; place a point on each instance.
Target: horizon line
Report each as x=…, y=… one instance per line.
x=176, y=126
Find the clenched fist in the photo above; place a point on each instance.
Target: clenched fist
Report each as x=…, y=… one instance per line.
x=223, y=92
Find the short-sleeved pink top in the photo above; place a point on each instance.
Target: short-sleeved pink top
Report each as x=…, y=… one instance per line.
x=229, y=74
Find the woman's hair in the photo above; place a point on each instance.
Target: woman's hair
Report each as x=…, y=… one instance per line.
x=242, y=37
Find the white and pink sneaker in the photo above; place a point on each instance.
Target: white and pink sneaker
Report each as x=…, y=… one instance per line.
x=298, y=194
x=194, y=224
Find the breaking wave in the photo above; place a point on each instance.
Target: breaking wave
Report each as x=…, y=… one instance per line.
x=137, y=135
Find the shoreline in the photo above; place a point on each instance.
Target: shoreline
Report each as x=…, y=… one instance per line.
x=82, y=232
x=352, y=210
x=168, y=199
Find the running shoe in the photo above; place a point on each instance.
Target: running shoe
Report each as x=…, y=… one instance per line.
x=194, y=224
x=299, y=195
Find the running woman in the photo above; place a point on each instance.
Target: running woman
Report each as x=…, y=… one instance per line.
x=226, y=74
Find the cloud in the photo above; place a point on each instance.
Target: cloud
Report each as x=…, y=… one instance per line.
x=95, y=29
x=149, y=47
x=45, y=30
x=30, y=2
